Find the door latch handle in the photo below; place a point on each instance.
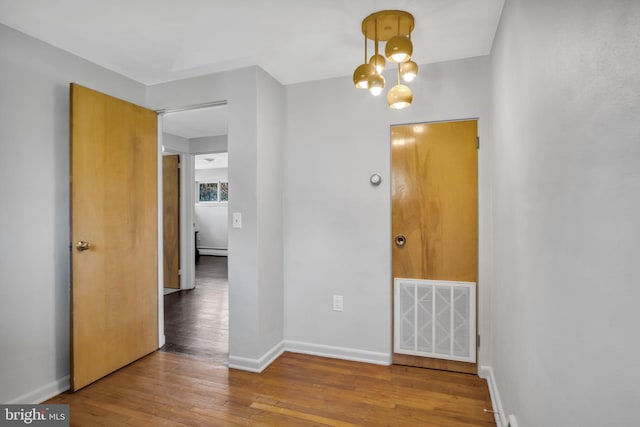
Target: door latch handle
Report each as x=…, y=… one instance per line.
x=83, y=246
x=400, y=240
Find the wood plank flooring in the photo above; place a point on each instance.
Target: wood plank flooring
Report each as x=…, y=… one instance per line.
x=187, y=383
x=197, y=320
x=166, y=389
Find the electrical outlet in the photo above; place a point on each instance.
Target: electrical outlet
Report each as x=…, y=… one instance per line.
x=338, y=303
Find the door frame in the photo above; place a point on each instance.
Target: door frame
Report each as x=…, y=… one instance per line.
x=161, y=338
x=187, y=280
x=187, y=199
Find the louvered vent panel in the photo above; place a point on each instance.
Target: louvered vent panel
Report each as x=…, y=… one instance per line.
x=407, y=308
x=435, y=318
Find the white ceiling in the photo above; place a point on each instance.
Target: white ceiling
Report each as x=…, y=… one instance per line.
x=154, y=41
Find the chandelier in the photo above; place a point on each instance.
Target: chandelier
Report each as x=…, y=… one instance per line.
x=393, y=27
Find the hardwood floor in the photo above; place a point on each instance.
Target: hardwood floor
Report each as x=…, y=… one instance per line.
x=166, y=389
x=197, y=320
x=187, y=383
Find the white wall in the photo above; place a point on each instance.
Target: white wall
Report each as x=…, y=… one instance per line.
x=567, y=206
x=270, y=145
x=338, y=226
x=34, y=218
x=175, y=143
x=208, y=144
x=248, y=283
x=211, y=219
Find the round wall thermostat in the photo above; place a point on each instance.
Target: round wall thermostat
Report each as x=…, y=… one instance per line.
x=375, y=179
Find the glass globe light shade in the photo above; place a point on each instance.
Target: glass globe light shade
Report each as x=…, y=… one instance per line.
x=398, y=49
x=379, y=62
x=409, y=71
x=399, y=97
x=376, y=84
x=361, y=75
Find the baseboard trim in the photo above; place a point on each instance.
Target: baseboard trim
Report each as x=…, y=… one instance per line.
x=43, y=393
x=486, y=372
x=338, y=352
x=259, y=365
x=256, y=365
x=213, y=252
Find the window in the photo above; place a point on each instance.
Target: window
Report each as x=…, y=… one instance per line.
x=212, y=192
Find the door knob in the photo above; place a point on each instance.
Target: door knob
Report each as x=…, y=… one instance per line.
x=83, y=246
x=400, y=240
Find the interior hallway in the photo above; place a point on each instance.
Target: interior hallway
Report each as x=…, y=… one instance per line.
x=197, y=320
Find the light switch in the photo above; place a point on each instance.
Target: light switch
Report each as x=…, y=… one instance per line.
x=237, y=220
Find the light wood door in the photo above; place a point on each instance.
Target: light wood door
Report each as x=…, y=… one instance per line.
x=114, y=286
x=435, y=207
x=171, y=219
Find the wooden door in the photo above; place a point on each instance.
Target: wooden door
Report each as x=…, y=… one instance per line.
x=114, y=286
x=435, y=208
x=171, y=219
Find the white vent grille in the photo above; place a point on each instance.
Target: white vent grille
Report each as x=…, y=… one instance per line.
x=435, y=318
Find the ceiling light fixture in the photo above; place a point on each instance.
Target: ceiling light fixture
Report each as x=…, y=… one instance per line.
x=393, y=27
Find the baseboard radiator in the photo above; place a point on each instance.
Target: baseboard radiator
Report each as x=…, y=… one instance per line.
x=207, y=250
x=435, y=318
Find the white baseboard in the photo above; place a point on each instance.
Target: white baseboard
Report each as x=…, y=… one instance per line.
x=213, y=252
x=259, y=365
x=256, y=365
x=43, y=393
x=338, y=352
x=486, y=372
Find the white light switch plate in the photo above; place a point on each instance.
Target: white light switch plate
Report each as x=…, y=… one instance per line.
x=237, y=220
x=338, y=303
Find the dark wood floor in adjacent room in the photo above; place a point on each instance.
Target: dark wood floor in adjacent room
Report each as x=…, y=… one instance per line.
x=188, y=384
x=197, y=320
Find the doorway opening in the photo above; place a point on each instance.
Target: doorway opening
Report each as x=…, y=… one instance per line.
x=196, y=313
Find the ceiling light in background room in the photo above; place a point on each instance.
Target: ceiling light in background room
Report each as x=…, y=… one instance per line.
x=393, y=27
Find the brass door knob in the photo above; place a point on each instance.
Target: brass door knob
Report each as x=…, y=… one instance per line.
x=83, y=246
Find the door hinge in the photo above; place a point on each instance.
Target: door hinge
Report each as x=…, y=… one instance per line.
x=478, y=340
x=179, y=272
x=478, y=142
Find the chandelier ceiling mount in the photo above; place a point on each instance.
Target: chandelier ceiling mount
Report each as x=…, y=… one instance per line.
x=393, y=27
